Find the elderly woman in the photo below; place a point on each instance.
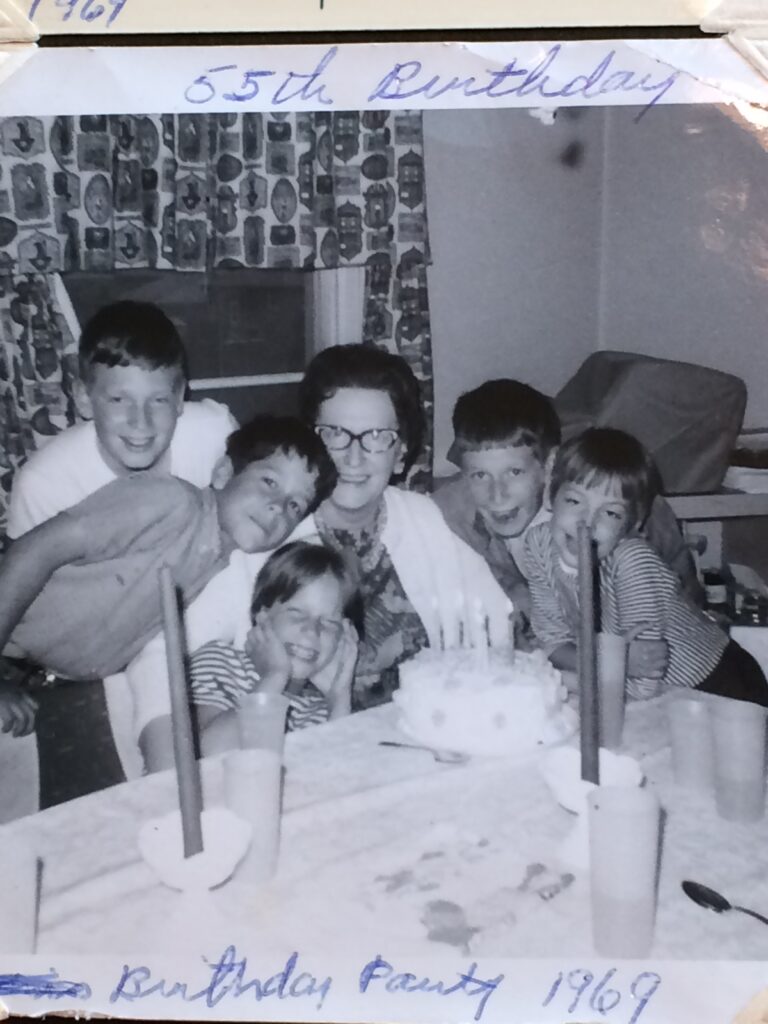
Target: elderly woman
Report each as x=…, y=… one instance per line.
x=420, y=585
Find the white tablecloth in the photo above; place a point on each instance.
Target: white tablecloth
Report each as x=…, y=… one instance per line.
x=434, y=856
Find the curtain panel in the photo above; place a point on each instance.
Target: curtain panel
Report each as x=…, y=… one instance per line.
x=38, y=368
x=192, y=192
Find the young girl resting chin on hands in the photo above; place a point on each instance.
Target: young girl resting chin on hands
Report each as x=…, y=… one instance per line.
x=302, y=644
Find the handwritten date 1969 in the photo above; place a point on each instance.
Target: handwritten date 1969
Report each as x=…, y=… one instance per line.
x=92, y=10
x=86, y=10
x=603, y=999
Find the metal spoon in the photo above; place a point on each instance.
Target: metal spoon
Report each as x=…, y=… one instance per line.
x=712, y=900
x=441, y=756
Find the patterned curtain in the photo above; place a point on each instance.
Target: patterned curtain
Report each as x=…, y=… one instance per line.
x=190, y=192
x=38, y=366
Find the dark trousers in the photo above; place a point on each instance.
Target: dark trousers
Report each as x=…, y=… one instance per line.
x=737, y=675
x=76, y=748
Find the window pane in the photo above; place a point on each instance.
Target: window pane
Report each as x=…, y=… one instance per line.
x=233, y=322
x=259, y=317
x=279, y=399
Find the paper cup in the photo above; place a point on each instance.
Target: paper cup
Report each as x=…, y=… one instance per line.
x=624, y=850
x=690, y=729
x=611, y=681
x=739, y=729
x=253, y=780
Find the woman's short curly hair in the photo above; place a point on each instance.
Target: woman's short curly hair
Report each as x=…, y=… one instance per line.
x=371, y=368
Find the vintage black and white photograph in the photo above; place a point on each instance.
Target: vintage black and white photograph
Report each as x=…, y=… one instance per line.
x=384, y=520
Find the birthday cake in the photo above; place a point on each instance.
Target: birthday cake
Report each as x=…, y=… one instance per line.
x=492, y=702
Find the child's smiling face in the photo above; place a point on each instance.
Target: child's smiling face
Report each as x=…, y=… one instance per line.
x=507, y=486
x=134, y=411
x=309, y=625
x=601, y=505
x=262, y=505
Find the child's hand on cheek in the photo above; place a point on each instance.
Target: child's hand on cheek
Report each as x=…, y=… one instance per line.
x=335, y=679
x=267, y=652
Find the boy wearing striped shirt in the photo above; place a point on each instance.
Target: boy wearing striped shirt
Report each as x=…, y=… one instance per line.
x=605, y=478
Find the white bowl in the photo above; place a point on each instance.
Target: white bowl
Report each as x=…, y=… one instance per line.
x=561, y=770
x=226, y=839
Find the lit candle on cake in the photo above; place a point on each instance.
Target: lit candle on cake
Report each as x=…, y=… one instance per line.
x=588, y=711
x=436, y=634
x=509, y=627
x=434, y=616
x=481, y=634
x=460, y=618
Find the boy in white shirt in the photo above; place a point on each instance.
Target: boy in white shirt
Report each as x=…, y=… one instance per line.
x=132, y=384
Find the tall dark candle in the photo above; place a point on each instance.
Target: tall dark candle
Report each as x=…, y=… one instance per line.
x=187, y=775
x=588, y=698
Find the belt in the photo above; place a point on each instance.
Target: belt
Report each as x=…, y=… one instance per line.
x=29, y=675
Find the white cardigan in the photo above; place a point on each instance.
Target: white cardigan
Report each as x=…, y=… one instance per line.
x=445, y=580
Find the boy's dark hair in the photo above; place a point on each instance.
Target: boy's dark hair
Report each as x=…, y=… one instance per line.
x=602, y=453
x=264, y=435
x=504, y=412
x=365, y=366
x=293, y=566
x=129, y=333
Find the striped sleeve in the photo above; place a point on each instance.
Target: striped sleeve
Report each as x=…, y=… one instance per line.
x=638, y=587
x=219, y=675
x=548, y=619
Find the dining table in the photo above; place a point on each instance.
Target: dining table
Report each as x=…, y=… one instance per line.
x=386, y=840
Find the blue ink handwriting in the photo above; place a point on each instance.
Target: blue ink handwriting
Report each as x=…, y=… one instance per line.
x=408, y=80
x=602, y=998
x=89, y=10
x=43, y=986
x=228, y=979
x=379, y=969
x=290, y=85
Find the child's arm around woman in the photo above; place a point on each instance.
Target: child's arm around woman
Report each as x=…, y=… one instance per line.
x=640, y=592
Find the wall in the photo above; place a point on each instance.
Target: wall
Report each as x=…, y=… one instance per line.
x=685, y=242
x=514, y=219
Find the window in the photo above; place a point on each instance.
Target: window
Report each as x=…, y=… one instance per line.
x=247, y=332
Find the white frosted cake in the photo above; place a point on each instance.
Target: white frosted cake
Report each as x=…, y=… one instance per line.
x=496, y=702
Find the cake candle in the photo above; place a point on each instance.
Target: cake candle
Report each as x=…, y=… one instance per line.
x=511, y=639
x=482, y=636
x=436, y=638
x=187, y=775
x=588, y=711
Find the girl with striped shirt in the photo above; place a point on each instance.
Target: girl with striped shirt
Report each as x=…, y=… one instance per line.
x=302, y=644
x=606, y=478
